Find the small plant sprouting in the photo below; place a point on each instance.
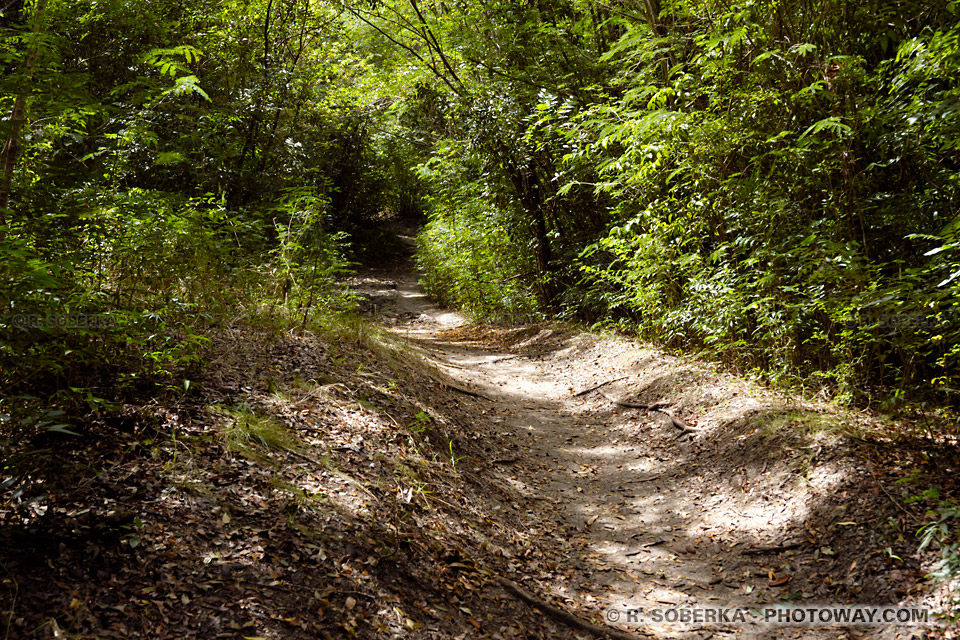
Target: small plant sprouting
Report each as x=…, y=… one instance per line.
x=945, y=530
x=421, y=422
x=453, y=458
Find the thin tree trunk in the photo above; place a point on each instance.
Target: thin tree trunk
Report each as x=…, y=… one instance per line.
x=11, y=148
x=652, y=8
x=532, y=198
x=544, y=258
x=11, y=151
x=526, y=185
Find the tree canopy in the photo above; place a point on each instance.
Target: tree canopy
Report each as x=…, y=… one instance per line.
x=775, y=183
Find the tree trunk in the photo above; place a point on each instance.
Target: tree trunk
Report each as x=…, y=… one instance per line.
x=532, y=198
x=545, y=287
x=11, y=148
x=526, y=184
x=11, y=151
x=652, y=9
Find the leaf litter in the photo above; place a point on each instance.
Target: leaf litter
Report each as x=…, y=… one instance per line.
x=344, y=485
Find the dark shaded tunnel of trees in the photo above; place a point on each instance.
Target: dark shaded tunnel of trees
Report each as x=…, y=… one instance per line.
x=773, y=183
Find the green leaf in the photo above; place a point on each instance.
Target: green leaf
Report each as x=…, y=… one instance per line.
x=953, y=276
x=832, y=124
x=62, y=428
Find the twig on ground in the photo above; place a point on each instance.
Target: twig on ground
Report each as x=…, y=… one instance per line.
x=680, y=424
x=584, y=392
x=677, y=422
x=630, y=404
x=339, y=474
x=772, y=548
x=893, y=500
x=495, y=360
x=465, y=391
x=562, y=615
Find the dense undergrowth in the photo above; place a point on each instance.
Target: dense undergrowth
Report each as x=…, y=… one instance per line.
x=804, y=220
x=775, y=185
x=130, y=316
x=165, y=174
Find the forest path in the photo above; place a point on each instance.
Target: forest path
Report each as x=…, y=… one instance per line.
x=762, y=502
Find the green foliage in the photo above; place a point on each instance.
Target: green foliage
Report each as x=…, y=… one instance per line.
x=172, y=178
x=775, y=184
x=309, y=261
x=246, y=431
x=943, y=529
x=421, y=422
x=779, y=190
x=775, y=203
x=467, y=254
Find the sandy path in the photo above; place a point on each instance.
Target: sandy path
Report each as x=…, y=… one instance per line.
x=644, y=514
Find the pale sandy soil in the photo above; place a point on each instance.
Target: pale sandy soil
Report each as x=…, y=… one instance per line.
x=772, y=500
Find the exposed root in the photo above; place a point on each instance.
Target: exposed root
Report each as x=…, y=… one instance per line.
x=584, y=392
x=675, y=421
x=562, y=615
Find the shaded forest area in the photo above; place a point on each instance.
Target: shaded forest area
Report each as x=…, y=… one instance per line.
x=773, y=185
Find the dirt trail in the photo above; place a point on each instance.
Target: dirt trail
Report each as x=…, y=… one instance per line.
x=334, y=484
x=764, y=500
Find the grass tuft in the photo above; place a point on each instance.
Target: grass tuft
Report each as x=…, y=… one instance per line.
x=245, y=431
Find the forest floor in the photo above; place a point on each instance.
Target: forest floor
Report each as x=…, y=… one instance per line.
x=440, y=479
